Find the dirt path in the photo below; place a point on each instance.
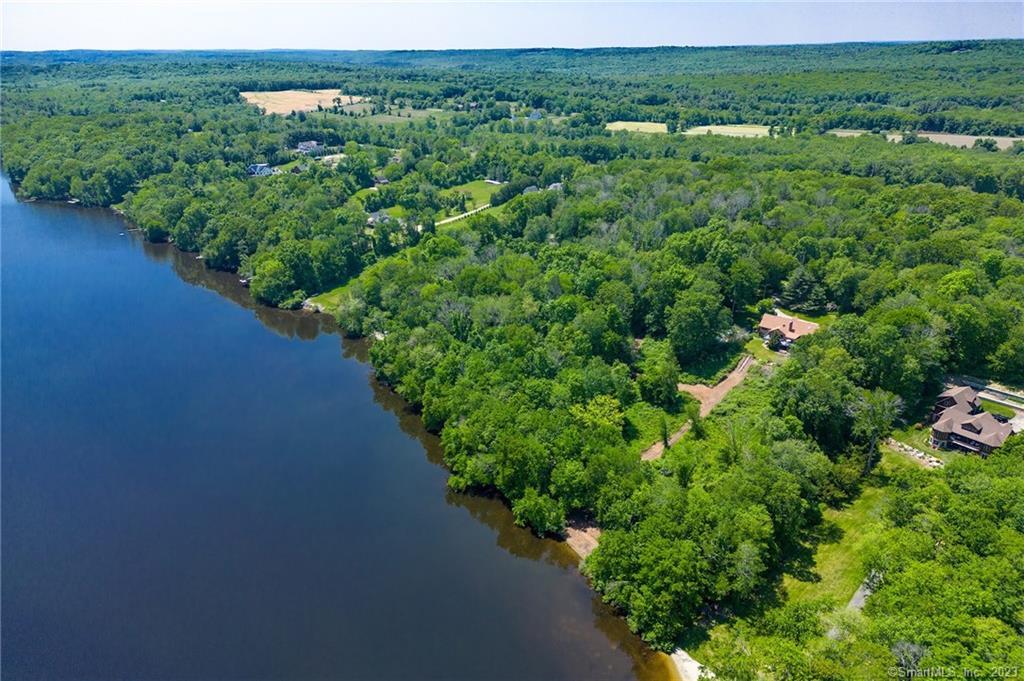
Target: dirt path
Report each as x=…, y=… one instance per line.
x=463, y=215
x=709, y=397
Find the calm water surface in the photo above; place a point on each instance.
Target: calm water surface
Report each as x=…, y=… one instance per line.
x=194, y=487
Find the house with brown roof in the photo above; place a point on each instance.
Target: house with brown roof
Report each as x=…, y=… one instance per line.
x=789, y=329
x=962, y=397
x=959, y=423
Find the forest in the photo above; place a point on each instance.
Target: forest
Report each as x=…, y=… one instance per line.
x=544, y=336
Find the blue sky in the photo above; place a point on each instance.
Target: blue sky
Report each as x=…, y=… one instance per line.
x=428, y=24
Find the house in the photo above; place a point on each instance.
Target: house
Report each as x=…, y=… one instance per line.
x=961, y=397
x=959, y=423
x=380, y=181
x=555, y=187
x=259, y=169
x=531, y=189
x=378, y=217
x=535, y=115
x=307, y=147
x=789, y=328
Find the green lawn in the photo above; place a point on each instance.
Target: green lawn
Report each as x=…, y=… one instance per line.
x=824, y=320
x=329, y=299
x=837, y=566
x=493, y=210
x=997, y=409
x=914, y=436
x=479, y=191
x=364, y=192
x=756, y=347
x=408, y=116
x=285, y=167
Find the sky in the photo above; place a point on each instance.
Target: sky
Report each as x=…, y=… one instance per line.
x=433, y=24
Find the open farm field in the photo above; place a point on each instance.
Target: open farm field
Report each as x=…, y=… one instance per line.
x=286, y=101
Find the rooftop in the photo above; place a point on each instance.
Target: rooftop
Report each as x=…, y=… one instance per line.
x=791, y=328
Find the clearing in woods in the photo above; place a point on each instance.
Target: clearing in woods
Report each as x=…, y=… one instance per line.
x=286, y=101
x=954, y=140
x=636, y=126
x=729, y=130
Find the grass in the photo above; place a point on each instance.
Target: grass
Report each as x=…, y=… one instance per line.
x=756, y=347
x=285, y=167
x=916, y=435
x=329, y=300
x=493, y=210
x=822, y=320
x=836, y=567
x=479, y=192
x=713, y=368
x=729, y=130
x=997, y=409
x=408, y=116
x=643, y=424
x=637, y=126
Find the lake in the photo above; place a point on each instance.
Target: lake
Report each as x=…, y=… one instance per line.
x=196, y=487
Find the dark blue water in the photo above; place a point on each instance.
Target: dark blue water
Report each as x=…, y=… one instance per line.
x=197, y=488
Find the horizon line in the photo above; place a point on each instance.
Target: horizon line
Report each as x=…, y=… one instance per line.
x=171, y=50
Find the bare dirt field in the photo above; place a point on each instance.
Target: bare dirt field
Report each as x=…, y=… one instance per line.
x=286, y=101
x=729, y=130
x=636, y=126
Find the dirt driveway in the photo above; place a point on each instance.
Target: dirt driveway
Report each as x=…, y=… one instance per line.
x=709, y=397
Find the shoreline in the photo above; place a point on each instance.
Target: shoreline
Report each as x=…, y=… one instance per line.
x=578, y=541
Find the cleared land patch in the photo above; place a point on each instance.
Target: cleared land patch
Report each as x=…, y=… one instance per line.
x=636, y=126
x=729, y=130
x=286, y=101
x=952, y=139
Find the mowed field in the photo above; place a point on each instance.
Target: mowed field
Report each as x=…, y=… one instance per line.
x=729, y=130
x=479, y=192
x=949, y=138
x=286, y=101
x=636, y=126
